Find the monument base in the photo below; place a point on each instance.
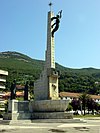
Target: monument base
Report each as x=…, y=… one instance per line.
x=43, y=109
x=17, y=116
x=52, y=115
x=48, y=105
x=50, y=109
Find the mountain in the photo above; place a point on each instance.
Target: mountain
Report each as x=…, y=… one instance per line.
x=10, y=60
x=21, y=67
x=15, y=60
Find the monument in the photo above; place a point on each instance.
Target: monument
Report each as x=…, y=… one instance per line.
x=47, y=103
x=46, y=87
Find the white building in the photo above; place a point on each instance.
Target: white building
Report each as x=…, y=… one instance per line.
x=70, y=96
x=3, y=75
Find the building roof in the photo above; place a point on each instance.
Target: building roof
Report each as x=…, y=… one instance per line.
x=7, y=94
x=76, y=95
x=20, y=87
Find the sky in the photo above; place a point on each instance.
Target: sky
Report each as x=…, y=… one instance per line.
x=23, y=28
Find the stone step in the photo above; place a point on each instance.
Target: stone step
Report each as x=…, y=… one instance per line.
x=58, y=121
x=30, y=122
x=15, y=122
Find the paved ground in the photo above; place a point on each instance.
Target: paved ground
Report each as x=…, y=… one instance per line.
x=91, y=126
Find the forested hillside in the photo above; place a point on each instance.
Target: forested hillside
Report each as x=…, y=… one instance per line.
x=23, y=68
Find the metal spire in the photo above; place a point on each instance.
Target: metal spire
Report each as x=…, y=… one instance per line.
x=50, y=4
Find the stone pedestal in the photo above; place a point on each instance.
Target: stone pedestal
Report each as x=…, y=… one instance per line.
x=50, y=109
x=13, y=106
x=48, y=106
x=52, y=115
x=17, y=110
x=42, y=109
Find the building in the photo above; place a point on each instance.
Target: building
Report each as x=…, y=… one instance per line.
x=19, y=93
x=2, y=102
x=71, y=96
x=3, y=75
x=6, y=96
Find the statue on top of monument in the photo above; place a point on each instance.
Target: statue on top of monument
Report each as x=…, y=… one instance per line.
x=57, y=21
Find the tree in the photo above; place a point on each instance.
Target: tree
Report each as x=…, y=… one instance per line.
x=91, y=104
x=69, y=108
x=84, y=98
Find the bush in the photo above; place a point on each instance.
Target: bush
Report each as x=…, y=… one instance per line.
x=69, y=108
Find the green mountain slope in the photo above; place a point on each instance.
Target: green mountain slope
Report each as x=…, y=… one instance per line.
x=10, y=60
x=22, y=68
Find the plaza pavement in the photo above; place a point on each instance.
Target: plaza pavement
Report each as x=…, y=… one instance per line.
x=92, y=125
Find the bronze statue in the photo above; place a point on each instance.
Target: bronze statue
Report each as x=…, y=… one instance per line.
x=13, y=90
x=57, y=21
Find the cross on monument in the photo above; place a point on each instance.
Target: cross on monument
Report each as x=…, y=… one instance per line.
x=50, y=4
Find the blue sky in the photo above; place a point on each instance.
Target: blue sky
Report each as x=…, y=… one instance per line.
x=23, y=28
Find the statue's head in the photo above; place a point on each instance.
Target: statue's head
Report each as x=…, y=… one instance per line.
x=57, y=16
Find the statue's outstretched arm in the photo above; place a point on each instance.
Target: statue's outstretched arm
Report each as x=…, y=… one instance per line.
x=60, y=14
x=53, y=18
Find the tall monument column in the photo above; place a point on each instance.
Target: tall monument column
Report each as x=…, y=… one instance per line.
x=46, y=87
x=50, y=52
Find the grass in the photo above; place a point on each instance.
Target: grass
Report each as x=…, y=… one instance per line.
x=86, y=116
